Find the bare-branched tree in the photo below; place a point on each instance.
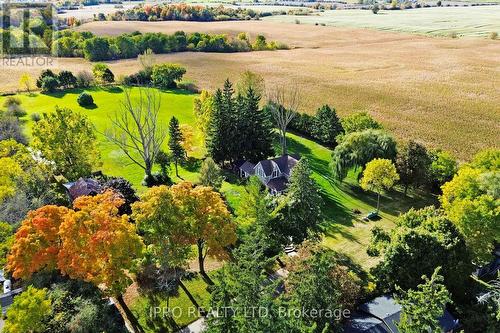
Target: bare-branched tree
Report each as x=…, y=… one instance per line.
x=136, y=128
x=284, y=103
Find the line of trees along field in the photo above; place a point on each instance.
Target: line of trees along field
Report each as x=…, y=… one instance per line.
x=101, y=243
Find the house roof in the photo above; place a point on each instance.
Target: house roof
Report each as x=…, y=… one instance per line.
x=82, y=187
x=387, y=312
x=7, y=299
x=361, y=323
x=285, y=163
x=248, y=167
x=278, y=184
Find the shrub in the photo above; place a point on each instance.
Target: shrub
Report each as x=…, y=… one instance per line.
x=49, y=84
x=103, y=74
x=165, y=75
x=85, y=99
x=45, y=73
x=84, y=79
x=142, y=77
x=188, y=85
x=67, y=79
x=10, y=128
x=13, y=106
x=36, y=117
x=494, y=35
x=453, y=35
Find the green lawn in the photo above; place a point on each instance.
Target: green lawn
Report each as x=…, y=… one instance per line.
x=152, y=319
x=437, y=21
x=174, y=103
x=344, y=230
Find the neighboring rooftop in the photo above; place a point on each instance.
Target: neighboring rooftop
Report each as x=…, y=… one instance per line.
x=381, y=314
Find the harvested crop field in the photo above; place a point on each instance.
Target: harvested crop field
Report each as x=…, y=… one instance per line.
x=442, y=92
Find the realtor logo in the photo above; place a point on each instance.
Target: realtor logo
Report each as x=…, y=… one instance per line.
x=27, y=31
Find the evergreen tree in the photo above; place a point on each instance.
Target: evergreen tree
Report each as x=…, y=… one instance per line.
x=422, y=308
x=299, y=213
x=175, y=143
x=221, y=136
x=238, y=129
x=210, y=174
x=260, y=132
x=327, y=125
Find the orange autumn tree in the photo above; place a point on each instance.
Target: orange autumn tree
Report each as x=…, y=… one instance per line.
x=207, y=220
x=92, y=242
x=37, y=242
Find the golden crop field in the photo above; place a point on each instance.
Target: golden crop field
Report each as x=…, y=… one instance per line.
x=443, y=92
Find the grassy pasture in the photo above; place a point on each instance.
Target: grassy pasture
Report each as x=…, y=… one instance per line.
x=436, y=21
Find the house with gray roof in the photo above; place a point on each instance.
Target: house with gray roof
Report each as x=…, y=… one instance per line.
x=380, y=315
x=273, y=173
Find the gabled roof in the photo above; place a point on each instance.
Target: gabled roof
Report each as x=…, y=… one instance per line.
x=248, y=167
x=278, y=184
x=285, y=163
x=82, y=187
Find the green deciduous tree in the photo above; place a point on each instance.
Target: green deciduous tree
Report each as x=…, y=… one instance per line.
x=358, y=148
x=443, y=167
x=413, y=165
x=252, y=80
x=421, y=241
x=166, y=75
x=102, y=73
x=175, y=143
x=67, y=138
x=471, y=201
x=422, y=308
x=358, y=122
x=210, y=174
x=379, y=175
x=28, y=312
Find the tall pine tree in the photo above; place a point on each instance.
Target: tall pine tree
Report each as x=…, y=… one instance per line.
x=174, y=143
x=260, y=129
x=238, y=129
x=298, y=214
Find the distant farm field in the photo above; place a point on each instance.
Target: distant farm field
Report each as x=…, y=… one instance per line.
x=437, y=21
x=443, y=92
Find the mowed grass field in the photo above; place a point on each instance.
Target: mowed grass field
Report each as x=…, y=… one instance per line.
x=344, y=230
x=442, y=92
x=477, y=21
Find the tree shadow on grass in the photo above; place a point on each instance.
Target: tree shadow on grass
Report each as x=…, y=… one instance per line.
x=112, y=89
x=162, y=321
x=93, y=106
x=192, y=164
